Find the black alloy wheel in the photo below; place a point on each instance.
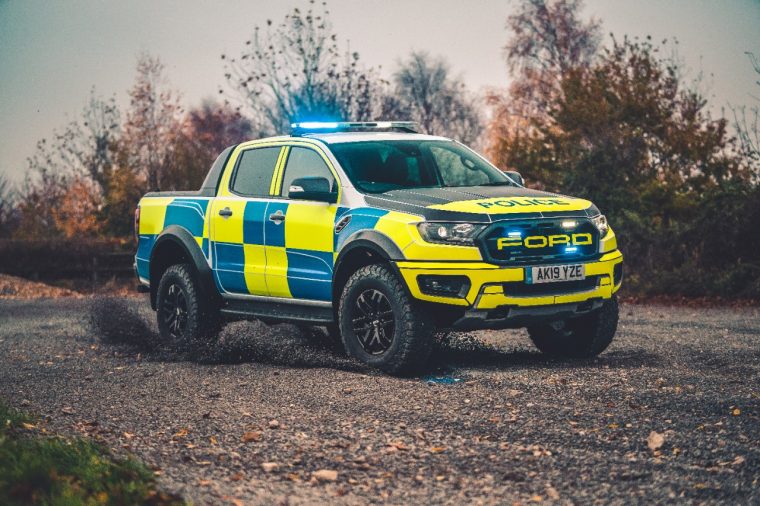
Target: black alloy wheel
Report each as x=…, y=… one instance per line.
x=174, y=311
x=380, y=323
x=186, y=321
x=372, y=322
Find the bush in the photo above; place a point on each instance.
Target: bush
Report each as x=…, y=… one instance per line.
x=66, y=258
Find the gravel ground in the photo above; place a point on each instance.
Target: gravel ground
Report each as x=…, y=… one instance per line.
x=272, y=416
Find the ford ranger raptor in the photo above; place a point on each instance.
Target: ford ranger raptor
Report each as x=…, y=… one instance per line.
x=383, y=236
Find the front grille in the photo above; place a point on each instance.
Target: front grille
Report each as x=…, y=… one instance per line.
x=521, y=289
x=540, y=241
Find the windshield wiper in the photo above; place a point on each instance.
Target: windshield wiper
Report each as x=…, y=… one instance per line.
x=498, y=183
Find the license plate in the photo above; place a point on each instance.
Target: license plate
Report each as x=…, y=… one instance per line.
x=553, y=273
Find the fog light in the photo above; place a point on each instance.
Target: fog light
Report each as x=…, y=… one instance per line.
x=444, y=286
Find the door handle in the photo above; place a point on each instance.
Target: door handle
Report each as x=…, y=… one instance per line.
x=226, y=212
x=277, y=217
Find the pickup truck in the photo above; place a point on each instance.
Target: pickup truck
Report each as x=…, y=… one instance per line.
x=383, y=236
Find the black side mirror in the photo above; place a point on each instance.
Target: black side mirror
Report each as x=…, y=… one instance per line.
x=312, y=188
x=515, y=176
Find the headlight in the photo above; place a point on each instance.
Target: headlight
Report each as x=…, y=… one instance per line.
x=449, y=233
x=600, y=222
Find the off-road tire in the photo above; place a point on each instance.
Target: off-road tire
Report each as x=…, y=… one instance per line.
x=582, y=337
x=203, y=321
x=411, y=344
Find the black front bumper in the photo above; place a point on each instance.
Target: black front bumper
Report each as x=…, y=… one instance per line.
x=512, y=317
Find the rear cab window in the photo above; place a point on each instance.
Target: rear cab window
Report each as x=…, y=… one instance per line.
x=254, y=171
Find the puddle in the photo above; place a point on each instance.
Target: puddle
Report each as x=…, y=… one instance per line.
x=446, y=379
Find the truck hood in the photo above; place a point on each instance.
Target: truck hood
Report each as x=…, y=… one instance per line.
x=481, y=204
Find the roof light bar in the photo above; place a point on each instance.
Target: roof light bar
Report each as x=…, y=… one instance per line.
x=313, y=127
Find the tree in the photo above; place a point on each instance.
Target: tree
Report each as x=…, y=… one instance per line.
x=124, y=193
x=747, y=126
x=425, y=92
x=152, y=123
x=548, y=40
x=296, y=71
x=7, y=208
x=86, y=146
x=76, y=214
x=206, y=131
x=631, y=136
x=41, y=194
x=75, y=163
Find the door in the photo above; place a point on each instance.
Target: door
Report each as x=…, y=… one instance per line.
x=299, y=234
x=238, y=218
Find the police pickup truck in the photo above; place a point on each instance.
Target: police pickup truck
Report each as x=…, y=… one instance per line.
x=383, y=236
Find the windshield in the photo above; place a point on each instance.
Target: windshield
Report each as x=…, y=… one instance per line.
x=381, y=166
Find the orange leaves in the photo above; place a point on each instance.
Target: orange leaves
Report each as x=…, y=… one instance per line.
x=252, y=437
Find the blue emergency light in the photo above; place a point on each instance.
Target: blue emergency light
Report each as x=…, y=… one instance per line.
x=315, y=127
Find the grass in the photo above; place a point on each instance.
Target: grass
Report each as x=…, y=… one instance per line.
x=36, y=468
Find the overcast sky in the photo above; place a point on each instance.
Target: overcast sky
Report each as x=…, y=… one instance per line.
x=53, y=52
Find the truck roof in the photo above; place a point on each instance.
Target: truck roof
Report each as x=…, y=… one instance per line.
x=340, y=137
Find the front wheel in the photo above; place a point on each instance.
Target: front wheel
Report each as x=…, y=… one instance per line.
x=582, y=337
x=379, y=323
x=184, y=319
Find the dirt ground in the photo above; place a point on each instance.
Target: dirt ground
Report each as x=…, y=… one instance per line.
x=670, y=413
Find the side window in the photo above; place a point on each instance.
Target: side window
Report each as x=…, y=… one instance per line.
x=254, y=171
x=304, y=162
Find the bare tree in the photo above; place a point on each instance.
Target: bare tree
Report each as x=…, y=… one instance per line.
x=548, y=40
x=747, y=126
x=86, y=147
x=296, y=71
x=7, y=207
x=206, y=131
x=425, y=92
x=152, y=123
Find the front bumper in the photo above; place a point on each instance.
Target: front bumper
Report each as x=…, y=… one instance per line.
x=487, y=285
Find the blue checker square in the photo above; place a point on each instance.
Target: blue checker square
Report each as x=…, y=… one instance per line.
x=186, y=215
x=253, y=222
x=230, y=263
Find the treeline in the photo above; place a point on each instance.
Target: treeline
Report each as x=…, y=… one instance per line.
x=622, y=125
x=614, y=120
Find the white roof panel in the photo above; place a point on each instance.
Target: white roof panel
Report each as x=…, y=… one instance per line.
x=338, y=137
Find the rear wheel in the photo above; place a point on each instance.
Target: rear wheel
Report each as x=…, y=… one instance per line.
x=583, y=337
x=184, y=320
x=379, y=323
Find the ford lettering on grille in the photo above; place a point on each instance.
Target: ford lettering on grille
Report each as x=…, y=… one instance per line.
x=537, y=241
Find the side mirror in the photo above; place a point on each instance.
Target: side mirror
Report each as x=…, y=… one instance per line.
x=312, y=188
x=515, y=176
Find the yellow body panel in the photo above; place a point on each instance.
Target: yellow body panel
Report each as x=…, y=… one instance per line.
x=398, y=227
x=152, y=214
x=433, y=252
x=255, y=262
x=309, y=225
x=609, y=243
x=228, y=229
x=277, y=272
